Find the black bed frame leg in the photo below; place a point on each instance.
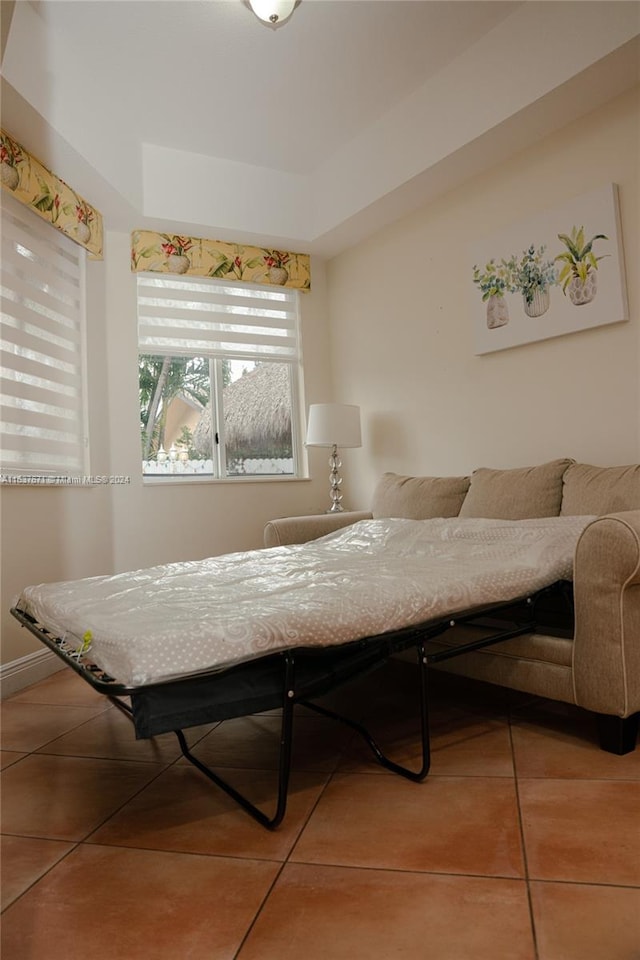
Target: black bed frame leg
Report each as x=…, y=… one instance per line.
x=383, y=760
x=618, y=734
x=284, y=765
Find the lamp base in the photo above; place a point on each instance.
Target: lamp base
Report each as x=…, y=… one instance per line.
x=334, y=480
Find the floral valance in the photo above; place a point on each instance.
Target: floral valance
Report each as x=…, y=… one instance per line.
x=198, y=257
x=49, y=196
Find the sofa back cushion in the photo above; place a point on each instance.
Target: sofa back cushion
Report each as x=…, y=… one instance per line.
x=518, y=494
x=418, y=498
x=600, y=490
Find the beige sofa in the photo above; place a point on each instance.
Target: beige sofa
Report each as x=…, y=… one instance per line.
x=596, y=664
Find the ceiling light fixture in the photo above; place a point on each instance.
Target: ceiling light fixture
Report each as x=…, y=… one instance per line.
x=273, y=11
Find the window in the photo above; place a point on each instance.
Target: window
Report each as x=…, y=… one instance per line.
x=43, y=429
x=218, y=376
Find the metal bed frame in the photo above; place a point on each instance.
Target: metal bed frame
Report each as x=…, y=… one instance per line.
x=294, y=676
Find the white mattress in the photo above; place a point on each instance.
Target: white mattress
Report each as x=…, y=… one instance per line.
x=375, y=576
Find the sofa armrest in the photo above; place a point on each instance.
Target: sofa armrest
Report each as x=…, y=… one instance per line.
x=278, y=533
x=606, y=649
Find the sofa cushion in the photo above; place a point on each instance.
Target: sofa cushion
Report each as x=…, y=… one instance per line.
x=418, y=498
x=598, y=490
x=518, y=494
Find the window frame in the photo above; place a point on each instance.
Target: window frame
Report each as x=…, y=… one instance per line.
x=293, y=362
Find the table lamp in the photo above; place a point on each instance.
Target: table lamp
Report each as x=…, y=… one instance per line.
x=334, y=425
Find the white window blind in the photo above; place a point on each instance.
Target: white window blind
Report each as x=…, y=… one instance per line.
x=212, y=318
x=42, y=367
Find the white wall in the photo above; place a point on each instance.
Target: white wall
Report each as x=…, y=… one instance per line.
x=402, y=344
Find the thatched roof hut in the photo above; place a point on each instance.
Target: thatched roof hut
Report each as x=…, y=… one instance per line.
x=257, y=409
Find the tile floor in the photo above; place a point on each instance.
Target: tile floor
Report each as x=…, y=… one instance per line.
x=523, y=843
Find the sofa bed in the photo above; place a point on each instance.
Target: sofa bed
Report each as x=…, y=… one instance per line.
x=593, y=659
x=440, y=569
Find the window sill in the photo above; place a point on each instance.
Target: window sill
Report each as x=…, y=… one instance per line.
x=186, y=481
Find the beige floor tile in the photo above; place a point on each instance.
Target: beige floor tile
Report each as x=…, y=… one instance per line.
x=474, y=695
x=464, y=746
x=459, y=715
x=444, y=824
x=111, y=735
x=183, y=810
x=253, y=742
x=25, y=860
x=582, y=830
x=105, y=903
x=64, y=798
x=355, y=697
x=568, y=750
x=477, y=747
x=430, y=871
x=27, y=726
x=392, y=691
x=583, y=922
x=333, y=913
x=64, y=686
x=7, y=757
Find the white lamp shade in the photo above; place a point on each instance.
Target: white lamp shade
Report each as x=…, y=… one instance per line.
x=272, y=11
x=333, y=423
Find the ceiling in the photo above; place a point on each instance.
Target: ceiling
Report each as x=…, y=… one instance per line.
x=195, y=113
x=211, y=78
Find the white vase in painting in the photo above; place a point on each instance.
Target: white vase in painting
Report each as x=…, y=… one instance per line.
x=497, y=311
x=539, y=303
x=583, y=291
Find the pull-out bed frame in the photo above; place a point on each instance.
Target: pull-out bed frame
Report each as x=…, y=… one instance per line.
x=293, y=676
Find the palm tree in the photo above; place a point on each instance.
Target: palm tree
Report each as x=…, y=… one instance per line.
x=162, y=379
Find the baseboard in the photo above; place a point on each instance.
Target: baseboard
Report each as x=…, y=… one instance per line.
x=21, y=673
